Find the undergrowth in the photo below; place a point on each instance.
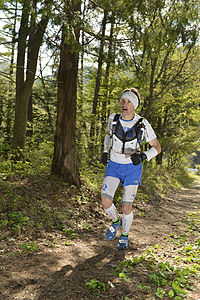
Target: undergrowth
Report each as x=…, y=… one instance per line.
x=41, y=203
x=33, y=201
x=163, y=276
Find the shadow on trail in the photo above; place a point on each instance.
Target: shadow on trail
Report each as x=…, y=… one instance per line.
x=63, y=283
x=79, y=265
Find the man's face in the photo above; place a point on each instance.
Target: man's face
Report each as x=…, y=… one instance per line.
x=127, y=107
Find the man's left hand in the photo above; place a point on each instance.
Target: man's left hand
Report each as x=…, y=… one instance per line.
x=137, y=158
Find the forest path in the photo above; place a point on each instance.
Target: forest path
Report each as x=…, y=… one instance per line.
x=62, y=271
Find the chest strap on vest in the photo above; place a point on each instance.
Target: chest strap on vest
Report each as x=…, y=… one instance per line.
x=137, y=127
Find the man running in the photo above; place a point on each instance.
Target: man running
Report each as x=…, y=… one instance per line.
x=124, y=135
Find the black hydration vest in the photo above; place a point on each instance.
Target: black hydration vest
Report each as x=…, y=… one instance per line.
x=134, y=132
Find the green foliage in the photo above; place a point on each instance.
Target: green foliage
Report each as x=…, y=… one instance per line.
x=30, y=247
x=44, y=109
x=31, y=204
x=145, y=288
x=22, y=214
x=172, y=279
x=159, y=180
x=165, y=279
x=89, y=174
x=37, y=160
x=95, y=287
x=160, y=293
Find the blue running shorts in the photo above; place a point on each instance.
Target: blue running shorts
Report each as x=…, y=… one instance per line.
x=128, y=174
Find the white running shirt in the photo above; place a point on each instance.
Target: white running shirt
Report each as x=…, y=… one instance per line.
x=148, y=135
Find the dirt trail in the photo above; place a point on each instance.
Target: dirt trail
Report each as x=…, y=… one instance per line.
x=61, y=272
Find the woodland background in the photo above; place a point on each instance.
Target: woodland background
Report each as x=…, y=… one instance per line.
x=63, y=67
x=65, y=64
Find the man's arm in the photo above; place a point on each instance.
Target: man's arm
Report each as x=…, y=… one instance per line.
x=107, y=142
x=155, y=143
x=147, y=155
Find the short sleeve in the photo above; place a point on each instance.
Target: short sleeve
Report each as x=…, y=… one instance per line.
x=149, y=133
x=109, y=124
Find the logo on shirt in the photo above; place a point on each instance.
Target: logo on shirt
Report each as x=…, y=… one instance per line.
x=129, y=132
x=126, y=128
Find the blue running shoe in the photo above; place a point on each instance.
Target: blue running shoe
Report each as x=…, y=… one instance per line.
x=112, y=231
x=123, y=242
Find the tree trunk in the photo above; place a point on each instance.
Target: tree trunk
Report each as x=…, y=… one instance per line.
x=159, y=158
x=11, y=71
x=1, y=111
x=81, y=71
x=30, y=116
x=64, y=160
x=24, y=87
x=110, y=59
x=148, y=102
x=82, y=128
x=98, y=78
x=46, y=100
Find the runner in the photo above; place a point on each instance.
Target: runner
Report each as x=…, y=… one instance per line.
x=124, y=135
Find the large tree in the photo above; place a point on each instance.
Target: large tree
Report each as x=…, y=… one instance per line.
x=64, y=160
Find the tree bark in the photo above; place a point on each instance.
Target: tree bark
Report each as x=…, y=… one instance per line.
x=64, y=160
x=98, y=77
x=24, y=86
x=105, y=101
x=11, y=71
x=30, y=116
x=148, y=102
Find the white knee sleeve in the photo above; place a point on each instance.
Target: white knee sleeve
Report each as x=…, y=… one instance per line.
x=129, y=194
x=109, y=187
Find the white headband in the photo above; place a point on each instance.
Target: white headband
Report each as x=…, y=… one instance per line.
x=130, y=96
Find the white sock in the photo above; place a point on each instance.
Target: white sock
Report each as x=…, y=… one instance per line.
x=112, y=212
x=127, y=222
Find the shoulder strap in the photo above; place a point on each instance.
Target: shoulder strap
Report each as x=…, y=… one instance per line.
x=116, y=117
x=139, y=121
x=114, y=123
x=139, y=125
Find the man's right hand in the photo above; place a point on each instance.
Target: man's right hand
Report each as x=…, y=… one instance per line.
x=104, y=158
